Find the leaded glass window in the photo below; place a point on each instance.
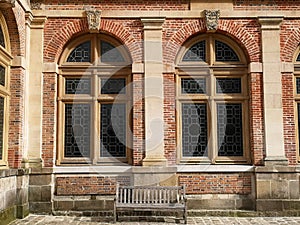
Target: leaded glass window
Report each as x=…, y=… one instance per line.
x=230, y=129
x=212, y=100
x=93, y=102
x=2, y=75
x=113, y=130
x=228, y=85
x=225, y=53
x=1, y=126
x=78, y=86
x=196, y=52
x=110, y=53
x=113, y=86
x=193, y=86
x=194, y=129
x=2, y=40
x=77, y=130
x=298, y=85
x=82, y=53
x=298, y=58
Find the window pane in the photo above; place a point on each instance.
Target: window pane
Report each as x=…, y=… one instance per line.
x=82, y=53
x=194, y=130
x=224, y=53
x=77, y=130
x=298, y=109
x=196, y=52
x=298, y=58
x=113, y=130
x=230, y=129
x=113, y=86
x=2, y=41
x=193, y=86
x=110, y=53
x=1, y=126
x=2, y=76
x=78, y=86
x=228, y=85
x=298, y=85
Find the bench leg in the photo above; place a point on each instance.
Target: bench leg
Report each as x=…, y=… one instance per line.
x=185, y=216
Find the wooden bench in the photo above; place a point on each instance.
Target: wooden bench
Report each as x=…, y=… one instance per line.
x=150, y=198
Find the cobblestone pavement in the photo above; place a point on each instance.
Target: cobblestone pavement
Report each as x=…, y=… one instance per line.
x=64, y=220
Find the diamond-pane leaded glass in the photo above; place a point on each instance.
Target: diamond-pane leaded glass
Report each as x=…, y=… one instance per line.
x=298, y=85
x=82, y=53
x=196, y=52
x=194, y=130
x=78, y=86
x=1, y=126
x=229, y=85
x=77, y=130
x=224, y=53
x=113, y=130
x=193, y=86
x=113, y=86
x=230, y=130
x=110, y=53
x=2, y=41
x=298, y=109
x=2, y=75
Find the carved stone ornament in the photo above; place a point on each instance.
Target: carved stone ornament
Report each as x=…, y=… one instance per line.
x=36, y=4
x=212, y=19
x=93, y=18
x=7, y=3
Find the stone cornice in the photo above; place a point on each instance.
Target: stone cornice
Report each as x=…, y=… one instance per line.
x=153, y=23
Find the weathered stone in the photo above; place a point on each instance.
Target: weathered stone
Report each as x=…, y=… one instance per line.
x=46, y=193
x=35, y=194
x=294, y=189
x=7, y=215
x=40, y=179
x=40, y=207
x=263, y=189
x=63, y=205
x=269, y=205
x=22, y=210
x=279, y=189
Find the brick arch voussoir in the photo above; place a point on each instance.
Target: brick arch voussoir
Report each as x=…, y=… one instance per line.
x=13, y=32
x=290, y=46
x=119, y=32
x=180, y=37
x=56, y=45
x=242, y=37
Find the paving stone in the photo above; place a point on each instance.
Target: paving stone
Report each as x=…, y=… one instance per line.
x=65, y=220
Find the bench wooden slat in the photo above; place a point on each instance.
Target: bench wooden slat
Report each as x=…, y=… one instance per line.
x=150, y=198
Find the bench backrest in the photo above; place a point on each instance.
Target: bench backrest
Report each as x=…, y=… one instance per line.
x=160, y=195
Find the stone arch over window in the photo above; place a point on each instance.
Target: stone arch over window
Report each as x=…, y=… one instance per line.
x=94, y=101
x=5, y=61
x=212, y=101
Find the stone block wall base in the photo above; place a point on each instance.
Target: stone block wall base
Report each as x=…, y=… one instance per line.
x=40, y=207
x=7, y=215
x=22, y=211
x=155, y=162
x=288, y=206
x=154, y=175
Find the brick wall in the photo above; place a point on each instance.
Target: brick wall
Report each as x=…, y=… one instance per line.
x=245, y=32
x=49, y=119
x=289, y=118
x=148, y=5
x=216, y=183
x=170, y=118
x=256, y=118
x=138, y=119
x=86, y=185
x=266, y=5
x=289, y=39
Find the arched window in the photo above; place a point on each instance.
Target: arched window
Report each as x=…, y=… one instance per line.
x=5, y=60
x=94, y=99
x=212, y=101
x=297, y=94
